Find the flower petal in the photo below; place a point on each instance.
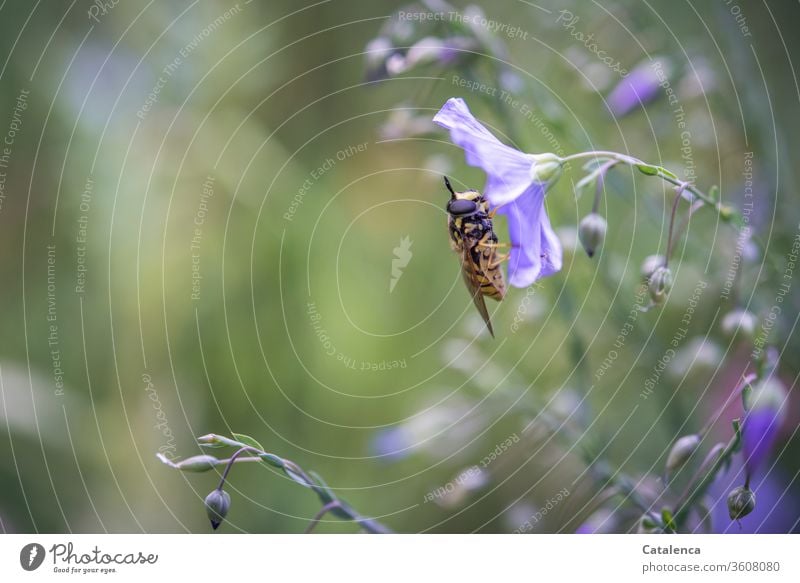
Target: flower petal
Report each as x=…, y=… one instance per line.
x=535, y=249
x=508, y=170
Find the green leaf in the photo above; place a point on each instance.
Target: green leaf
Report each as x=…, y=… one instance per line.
x=713, y=193
x=247, y=440
x=296, y=474
x=272, y=460
x=324, y=492
x=213, y=440
x=666, y=172
x=647, y=169
x=669, y=520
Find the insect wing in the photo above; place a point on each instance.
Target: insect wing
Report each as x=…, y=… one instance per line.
x=472, y=273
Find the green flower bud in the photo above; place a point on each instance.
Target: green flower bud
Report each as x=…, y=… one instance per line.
x=660, y=283
x=650, y=264
x=739, y=322
x=741, y=502
x=592, y=232
x=680, y=453
x=650, y=524
x=217, y=505
x=198, y=463
x=546, y=167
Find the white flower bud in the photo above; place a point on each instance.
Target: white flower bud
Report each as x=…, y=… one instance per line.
x=650, y=264
x=198, y=463
x=739, y=322
x=680, y=453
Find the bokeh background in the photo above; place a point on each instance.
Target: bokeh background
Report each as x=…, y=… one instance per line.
x=201, y=204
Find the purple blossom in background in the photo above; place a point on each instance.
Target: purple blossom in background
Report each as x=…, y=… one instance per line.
x=516, y=184
x=762, y=422
x=639, y=87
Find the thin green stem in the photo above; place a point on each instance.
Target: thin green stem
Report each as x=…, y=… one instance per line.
x=696, y=491
x=658, y=171
x=670, y=237
x=600, y=183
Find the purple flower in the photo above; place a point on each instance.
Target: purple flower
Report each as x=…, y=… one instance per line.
x=516, y=184
x=762, y=422
x=639, y=87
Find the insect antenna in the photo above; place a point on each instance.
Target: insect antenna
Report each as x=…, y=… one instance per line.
x=449, y=187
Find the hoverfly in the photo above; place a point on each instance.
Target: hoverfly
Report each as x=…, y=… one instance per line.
x=473, y=238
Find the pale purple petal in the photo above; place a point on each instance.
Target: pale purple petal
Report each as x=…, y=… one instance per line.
x=535, y=248
x=508, y=170
x=511, y=190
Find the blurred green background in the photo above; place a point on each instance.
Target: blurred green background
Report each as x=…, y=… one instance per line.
x=290, y=333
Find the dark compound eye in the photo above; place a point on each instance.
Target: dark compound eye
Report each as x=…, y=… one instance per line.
x=461, y=207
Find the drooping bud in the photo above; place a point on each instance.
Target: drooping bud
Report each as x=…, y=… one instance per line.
x=650, y=264
x=739, y=322
x=659, y=285
x=592, y=232
x=198, y=463
x=546, y=167
x=741, y=502
x=680, y=453
x=218, y=502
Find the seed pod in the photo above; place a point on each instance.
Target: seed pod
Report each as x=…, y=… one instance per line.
x=741, y=502
x=218, y=502
x=592, y=232
x=660, y=284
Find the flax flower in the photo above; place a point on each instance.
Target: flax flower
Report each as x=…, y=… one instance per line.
x=516, y=185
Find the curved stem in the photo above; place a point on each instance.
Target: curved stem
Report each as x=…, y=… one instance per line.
x=231, y=461
x=600, y=183
x=670, y=237
x=318, y=516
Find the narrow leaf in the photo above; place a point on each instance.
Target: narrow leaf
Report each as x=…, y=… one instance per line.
x=247, y=440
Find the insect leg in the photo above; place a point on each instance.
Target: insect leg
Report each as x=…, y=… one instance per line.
x=498, y=260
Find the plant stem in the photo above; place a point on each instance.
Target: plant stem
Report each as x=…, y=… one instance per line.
x=231, y=461
x=694, y=493
x=670, y=236
x=631, y=161
x=318, y=516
